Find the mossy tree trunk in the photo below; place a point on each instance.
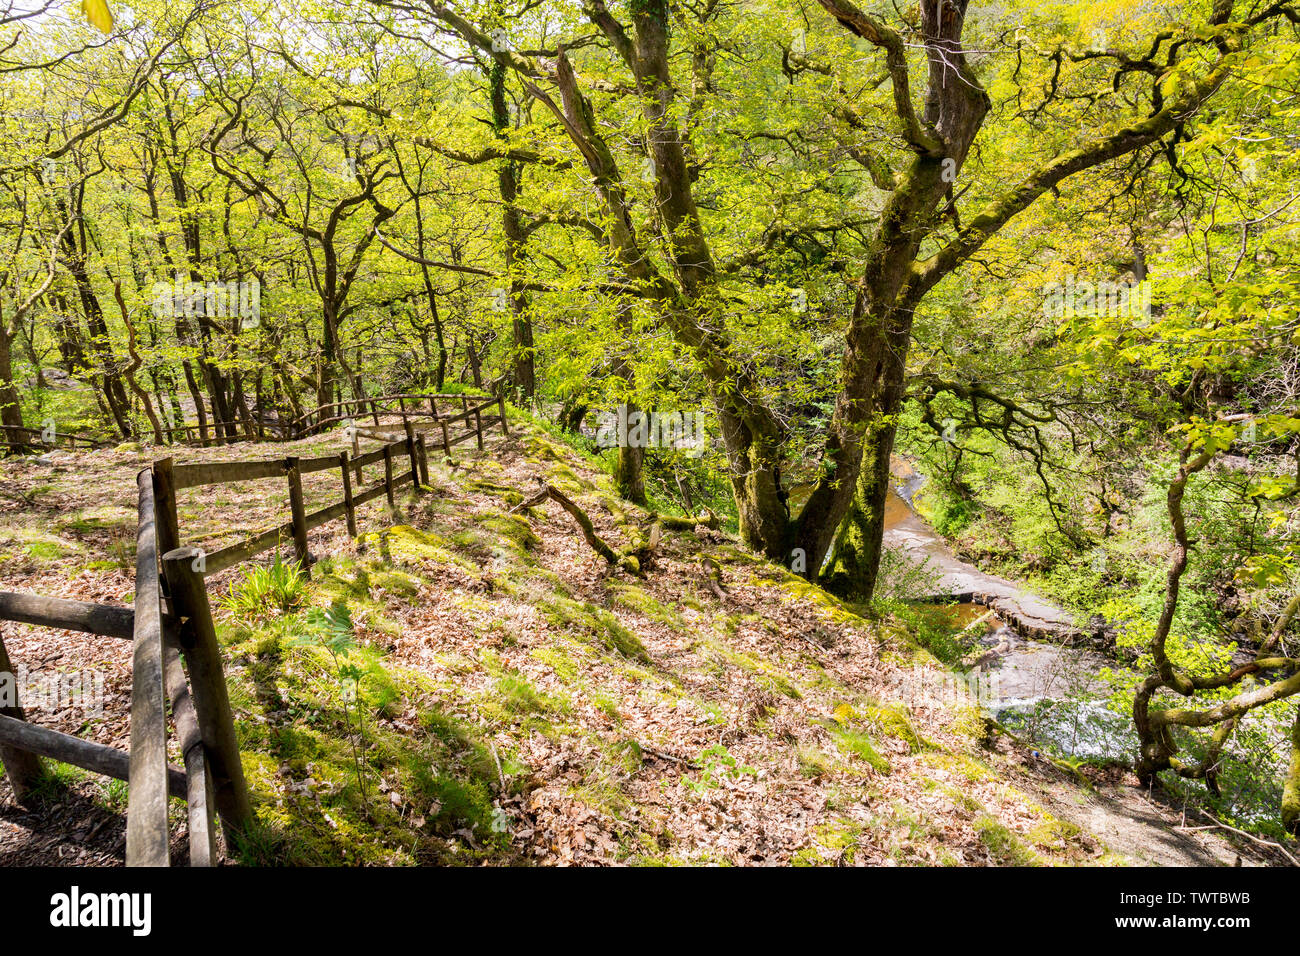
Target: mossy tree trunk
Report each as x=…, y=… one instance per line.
x=629, y=479
x=11, y=413
x=1291, y=791
x=509, y=180
x=938, y=128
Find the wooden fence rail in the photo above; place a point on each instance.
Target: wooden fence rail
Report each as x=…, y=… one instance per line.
x=407, y=405
x=157, y=674
x=175, y=654
x=404, y=404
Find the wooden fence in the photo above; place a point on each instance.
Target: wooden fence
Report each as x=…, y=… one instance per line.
x=176, y=656
x=259, y=428
x=171, y=628
x=404, y=404
x=41, y=441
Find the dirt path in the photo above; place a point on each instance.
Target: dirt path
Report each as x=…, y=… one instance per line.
x=1148, y=831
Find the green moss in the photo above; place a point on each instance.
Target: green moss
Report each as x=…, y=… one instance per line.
x=513, y=528
x=485, y=486
x=814, y=762
x=518, y=696
x=859, y=745
x=99, y=519
x=619, y=638
x=562, y=664
x=1053, y=834
x=833, y=843
x=963, y=766
x=396, y=583
x=1004, y=846
x=456, y=803
x=608, y=706
x=640, y=600
x=568, y=480
x=45, y=550
x=765, y=673
x=590, y=620
x=894, y=720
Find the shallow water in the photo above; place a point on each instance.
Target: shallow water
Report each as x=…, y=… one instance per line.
x=1045, y=689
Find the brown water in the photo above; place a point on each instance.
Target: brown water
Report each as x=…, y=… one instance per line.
x=1021, y=647
x=1027, y=672
x=1025, y=635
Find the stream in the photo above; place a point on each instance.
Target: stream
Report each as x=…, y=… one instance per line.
x=1035, y=673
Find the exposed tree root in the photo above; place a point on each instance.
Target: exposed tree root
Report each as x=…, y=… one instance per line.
x=631, y=559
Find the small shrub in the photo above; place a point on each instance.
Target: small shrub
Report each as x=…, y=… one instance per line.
x=266, y=592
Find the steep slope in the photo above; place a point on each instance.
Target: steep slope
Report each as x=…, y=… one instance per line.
x=464, y=684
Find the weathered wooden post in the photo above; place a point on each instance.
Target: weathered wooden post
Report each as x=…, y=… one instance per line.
x=198, y=778
x=146, y=805
x=446, y=440
x=433, y=408
x=356, y=453
x=478, y=427
x=388, y=475
x=348, y=508
x=501, y=406
x=164, y=500
x=299, y=513
x=374, y=412
x=412, y=453
x=197, y=637
x=424, y=461
x=22, y=767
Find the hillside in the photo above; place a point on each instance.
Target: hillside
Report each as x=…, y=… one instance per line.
x=519, y=702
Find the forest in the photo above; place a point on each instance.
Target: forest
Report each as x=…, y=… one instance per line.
x=872, y=300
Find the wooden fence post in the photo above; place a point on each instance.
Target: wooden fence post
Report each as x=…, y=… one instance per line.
x=356, y=453
x=164, y=502
x=22, y=767
x=348, y=508
x=388, y=475
x=446, y=441
x=433, y=408
x=424, y=461
x=374, y=412
x=197, y=637
x=299, y=513
x=413, y=453
x=478, y=428
x=146, y=805
x=501, y=405
x=198, y=779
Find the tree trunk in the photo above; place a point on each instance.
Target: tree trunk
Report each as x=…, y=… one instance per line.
x=1291, y=791
x=523, y=373
x=860, y=535
x=11, y=413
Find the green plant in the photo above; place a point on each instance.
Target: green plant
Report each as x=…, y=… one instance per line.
x=332, y=630
x=265, y=592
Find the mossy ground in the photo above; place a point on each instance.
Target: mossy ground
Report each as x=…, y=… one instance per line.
x=521, y=702
x=518, y=701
